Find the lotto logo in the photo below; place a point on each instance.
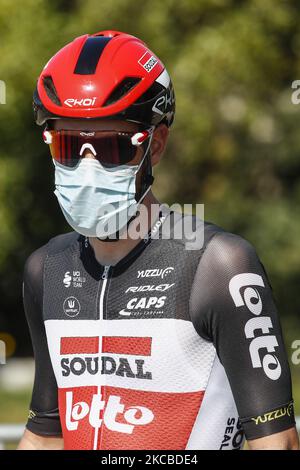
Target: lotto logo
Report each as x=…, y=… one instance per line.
x=244, y=292
x=110, y=417
x=133, y=415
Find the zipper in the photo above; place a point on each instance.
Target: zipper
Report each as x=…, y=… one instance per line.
x=104, y=278
x=105, y=272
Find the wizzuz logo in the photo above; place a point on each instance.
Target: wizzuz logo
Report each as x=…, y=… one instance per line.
x=250, y=298
x=156, y=272
x=287, y=410
x=2, y=92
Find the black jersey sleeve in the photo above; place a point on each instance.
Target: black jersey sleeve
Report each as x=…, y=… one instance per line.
x=236, y=311
x=43, y=416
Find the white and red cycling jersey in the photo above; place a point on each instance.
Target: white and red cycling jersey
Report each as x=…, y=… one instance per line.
x=169, y=349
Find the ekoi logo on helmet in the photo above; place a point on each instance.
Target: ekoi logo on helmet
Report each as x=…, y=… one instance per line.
x=73, y=102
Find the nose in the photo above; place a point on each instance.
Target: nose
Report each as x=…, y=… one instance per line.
x=88, y=154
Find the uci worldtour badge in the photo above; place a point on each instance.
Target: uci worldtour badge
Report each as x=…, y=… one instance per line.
x=74, y=279
x=71, y=307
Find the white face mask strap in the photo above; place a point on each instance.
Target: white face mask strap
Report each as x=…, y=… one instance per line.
x=147, y=149
x=146, y=153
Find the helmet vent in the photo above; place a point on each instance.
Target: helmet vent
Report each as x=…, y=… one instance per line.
x=122, y=89
x=51, y=90
x=90, y=54
x=155, y=89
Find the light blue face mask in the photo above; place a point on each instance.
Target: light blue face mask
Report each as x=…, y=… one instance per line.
x=97, y=202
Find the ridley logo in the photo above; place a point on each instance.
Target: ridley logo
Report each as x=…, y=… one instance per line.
x=148, y=288
x=133, y=415
x=252, y=300
x=72, y=102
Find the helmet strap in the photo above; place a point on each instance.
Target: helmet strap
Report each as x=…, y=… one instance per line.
x=147, y=181
x=147, y=178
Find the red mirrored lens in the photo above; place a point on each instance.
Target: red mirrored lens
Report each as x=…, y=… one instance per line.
x=110, y=148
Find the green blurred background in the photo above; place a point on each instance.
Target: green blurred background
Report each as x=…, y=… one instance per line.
x=235, y=144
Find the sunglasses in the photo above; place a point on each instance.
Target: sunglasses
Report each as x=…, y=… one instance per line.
x=110, y=148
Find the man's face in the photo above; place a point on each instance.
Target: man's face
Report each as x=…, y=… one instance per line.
x=159, y=138
x=93, y=125
x=101, y=125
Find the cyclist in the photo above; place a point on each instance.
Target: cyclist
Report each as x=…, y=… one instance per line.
x=139, y=342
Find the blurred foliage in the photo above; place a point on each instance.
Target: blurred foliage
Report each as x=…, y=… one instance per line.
x=235, y=144
x=14, y=405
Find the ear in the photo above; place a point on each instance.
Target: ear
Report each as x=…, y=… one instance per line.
x=159, y=142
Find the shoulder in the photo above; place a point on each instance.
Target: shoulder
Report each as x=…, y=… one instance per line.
x=223, y=256
x=226, y=251
x=228, y=261
x=187, y=229
x=223, y=248
x=34, y=265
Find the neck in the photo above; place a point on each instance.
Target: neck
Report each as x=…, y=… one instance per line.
x=110, y=253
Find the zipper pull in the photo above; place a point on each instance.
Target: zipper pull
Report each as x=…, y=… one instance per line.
x=105, y=272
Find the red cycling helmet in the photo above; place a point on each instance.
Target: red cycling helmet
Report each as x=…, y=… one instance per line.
x=109, y=74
